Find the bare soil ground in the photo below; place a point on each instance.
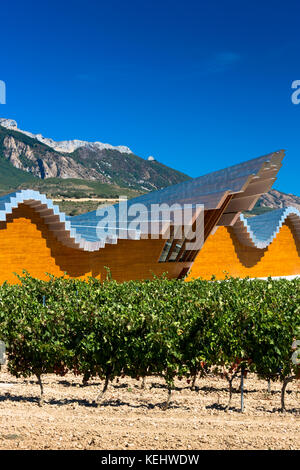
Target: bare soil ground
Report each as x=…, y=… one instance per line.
x=132, y=418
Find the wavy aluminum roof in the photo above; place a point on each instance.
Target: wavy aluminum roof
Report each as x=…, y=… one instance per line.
x=209, y=190
x=250, y=178
x=49, y=211
x=261, y=230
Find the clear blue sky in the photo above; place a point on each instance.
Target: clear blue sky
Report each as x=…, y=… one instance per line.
x=199, y=85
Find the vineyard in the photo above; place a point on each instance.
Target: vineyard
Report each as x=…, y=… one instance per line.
x=166, y=328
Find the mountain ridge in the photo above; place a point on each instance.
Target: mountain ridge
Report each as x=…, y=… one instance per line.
x=107, y=165
x=91, y=169
x=64, y=146
x=278, y=199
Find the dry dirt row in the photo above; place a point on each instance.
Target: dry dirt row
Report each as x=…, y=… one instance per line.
x=132, y=418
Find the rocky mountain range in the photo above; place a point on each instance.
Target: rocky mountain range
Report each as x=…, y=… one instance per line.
x=90, y=161
x=88, y=169
x=276, y=199
x=65, y=146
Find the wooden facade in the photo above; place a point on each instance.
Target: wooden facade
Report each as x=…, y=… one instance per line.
x=26, y=243
x=223, y=254
x=36, y=237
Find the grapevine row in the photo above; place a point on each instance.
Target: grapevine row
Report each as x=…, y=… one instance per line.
x=157, y=327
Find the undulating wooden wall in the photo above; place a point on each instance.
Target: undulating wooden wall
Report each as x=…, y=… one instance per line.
x=27, y=243
x=223, y=253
